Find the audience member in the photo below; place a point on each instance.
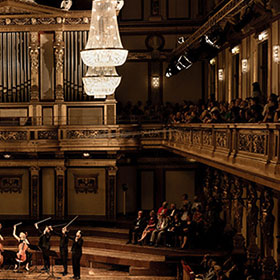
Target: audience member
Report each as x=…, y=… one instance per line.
x=138, y=226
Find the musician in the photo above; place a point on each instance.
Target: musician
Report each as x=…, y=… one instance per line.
x=23, y=253
x=44, y=244
x=63, y=248
x=77, y=253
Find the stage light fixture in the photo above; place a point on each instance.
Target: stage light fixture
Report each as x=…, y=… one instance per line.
x=263, y=36
x=184, y=61
x=212, y=61
x=235, y=50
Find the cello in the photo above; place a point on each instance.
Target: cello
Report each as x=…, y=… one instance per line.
x=23, y=245
x=21, y=255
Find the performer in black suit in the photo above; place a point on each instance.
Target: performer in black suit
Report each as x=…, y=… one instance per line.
x=44, y=244
x=63, y=248
x=77, y=253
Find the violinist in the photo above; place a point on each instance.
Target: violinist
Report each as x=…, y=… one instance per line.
x=44, y=244
x=63, y=247
x=23, y=255
x=77, y=254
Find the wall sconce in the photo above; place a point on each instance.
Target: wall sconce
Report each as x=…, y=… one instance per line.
x=221, y=74
x=213, y=61
x=244, y=65
x=276, y=54
x=263, y=36
x=235, y=50
x=155, y=81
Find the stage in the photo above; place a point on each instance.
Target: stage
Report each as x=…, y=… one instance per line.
x=86, y=274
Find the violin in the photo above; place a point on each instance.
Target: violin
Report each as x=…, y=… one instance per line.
x=21, y=255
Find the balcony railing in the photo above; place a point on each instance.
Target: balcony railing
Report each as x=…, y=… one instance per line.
x=248, y=149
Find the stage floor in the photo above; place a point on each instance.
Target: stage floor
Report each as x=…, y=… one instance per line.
x=86, y=274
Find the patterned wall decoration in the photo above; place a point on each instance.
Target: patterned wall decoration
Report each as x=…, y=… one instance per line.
x=11, y=184
x=86, y=184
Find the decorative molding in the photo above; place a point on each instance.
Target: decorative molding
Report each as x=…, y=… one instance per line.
x=11, y=184
x=13, y=135
x=86, y=183
x=84, y=134
x=48, y=134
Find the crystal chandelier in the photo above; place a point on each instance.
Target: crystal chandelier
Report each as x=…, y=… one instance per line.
x=104, y=50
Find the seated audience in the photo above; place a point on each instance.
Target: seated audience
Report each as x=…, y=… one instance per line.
x=160, y=230
x=151, y=226
x=138, y=226
x=163, y=209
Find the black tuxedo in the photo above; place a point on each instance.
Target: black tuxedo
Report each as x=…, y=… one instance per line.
x=44, y=244
x=76, y=255
x=63, y=249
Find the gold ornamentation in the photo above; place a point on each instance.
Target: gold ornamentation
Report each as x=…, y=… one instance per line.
x=221, y=139
x=86, y=184
x=207, y=137
x=10, y=184
x=13, y=135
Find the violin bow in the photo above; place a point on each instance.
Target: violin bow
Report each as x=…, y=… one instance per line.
x=42, y=221
x=60, y=225
x=71, y=221
x=18, y=224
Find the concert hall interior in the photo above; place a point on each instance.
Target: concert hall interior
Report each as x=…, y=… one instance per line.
x=160, y=163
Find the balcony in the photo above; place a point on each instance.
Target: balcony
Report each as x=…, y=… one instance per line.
x=246, y=150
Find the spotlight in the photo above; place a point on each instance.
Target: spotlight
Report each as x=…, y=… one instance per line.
x=184, y=61
x=86, y=155
x=181, y=40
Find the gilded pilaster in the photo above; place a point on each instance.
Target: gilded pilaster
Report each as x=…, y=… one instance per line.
x=34, y=51
x=34, y=192
x=111, y=196
x=60, y=192
x=59, y=62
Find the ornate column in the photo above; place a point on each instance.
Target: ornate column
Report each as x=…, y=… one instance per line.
x=267, y=229
x=252, y=218
x=34, y=60
x=60, y=192
x=237, y=208
x=59, y=61
x=34, y=192
x=226, y=200
x=111, y=195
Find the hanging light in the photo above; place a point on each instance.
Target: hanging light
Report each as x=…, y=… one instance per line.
x=101, y=81
x=104, y=47
x=103, y=50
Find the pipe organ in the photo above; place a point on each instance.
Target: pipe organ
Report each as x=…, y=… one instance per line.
x=41, y=68
x=15, y=74
x=74, y=69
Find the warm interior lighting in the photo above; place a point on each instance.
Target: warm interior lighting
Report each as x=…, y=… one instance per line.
x=221, y=74
x=276, y=54
x=103, y=50
x=244, y=64
x=263, y=36
x=155, y=82
x=86, y=155
x=213, y=61
x=235, y=50
x=101, y=81
x=104, y=47
x=7, y=155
